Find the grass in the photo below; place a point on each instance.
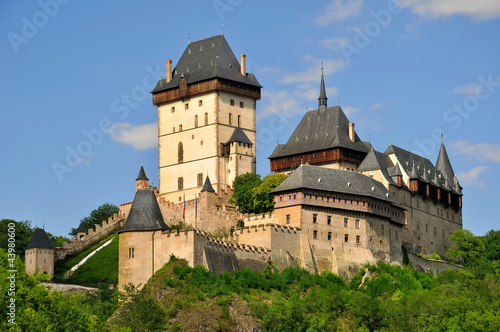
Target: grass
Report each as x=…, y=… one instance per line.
x=69, y=262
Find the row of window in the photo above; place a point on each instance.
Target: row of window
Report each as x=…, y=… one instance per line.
x=200, y=103
x=329, y=237
x=199, y=181
x=439, y=211
x=230, y=121
x=435, y=229
x=32, y=252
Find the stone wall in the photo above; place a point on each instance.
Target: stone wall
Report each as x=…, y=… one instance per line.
x=424, y=265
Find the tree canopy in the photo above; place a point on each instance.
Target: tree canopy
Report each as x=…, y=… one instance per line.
x=242, y=192
x=466, y=246
x=263, y=200
x=97, y=216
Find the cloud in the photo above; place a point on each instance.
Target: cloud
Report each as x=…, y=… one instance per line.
x=377, y=106
x=481, y=152
x=471, y=177
x=349, y=110
x=311, y=92
x=478, y=10
x=279, y=103
x=469, y=89
x=334, y=43
x=141, y=137
x=271, y=70
x=313, y=73
x=339, y=10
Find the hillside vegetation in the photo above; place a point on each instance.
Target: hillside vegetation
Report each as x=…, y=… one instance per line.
x=100, y=269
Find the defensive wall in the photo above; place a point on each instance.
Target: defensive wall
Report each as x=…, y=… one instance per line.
x=436, y=266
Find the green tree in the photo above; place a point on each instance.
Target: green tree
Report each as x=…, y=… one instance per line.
x=23, y=233
x=492, y=243
x=263, y=200
x=97, y=216
x=466, y=246
x=242, y=191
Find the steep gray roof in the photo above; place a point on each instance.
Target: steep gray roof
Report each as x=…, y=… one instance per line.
x=39, y=240
x=142, y=175
x=145, y=214
x=239, y=136
x=81, y=228
x=375, y=160
x=443, y=163
x=320, y=130
x=207, y=186
x=335, y=180
x=322, y=99
x=206, y=59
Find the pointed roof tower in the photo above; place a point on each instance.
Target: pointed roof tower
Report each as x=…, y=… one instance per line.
x=142, y=175
x=40, y=240
x=414, y=174
x=81, y=229
x=145, y=214
x=322, y=100
x=443, y=163
x=208, y=186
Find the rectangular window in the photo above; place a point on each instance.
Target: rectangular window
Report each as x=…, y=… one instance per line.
x=196, y=121
x=186, y=106
x=287, y=218
x=315, y=218
x=172, y=109
x=443, y=233
x=435, y=231
x=180, y=183
x=242, y=104
x=200, y=179
x=346, y=238
x=329, y=236
x=329, y=220
x=357, y=223
x=180, y=127
x=173, y=129
x=346, y=222
x=315, y=235
x=418, y=224
x=358, y=239
x=239, y=120
x=232, y=102
x=230, y=118
x=200, y=103
x=206, y=119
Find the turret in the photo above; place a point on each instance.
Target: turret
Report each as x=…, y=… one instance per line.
x=142, y=181
x=39, y=254
x=322, y=100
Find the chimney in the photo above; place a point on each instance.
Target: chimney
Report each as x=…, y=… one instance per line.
x=169, y=70
x=352, y=133
x=243, y=64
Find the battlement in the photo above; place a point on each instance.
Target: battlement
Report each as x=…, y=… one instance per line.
x=254, y=219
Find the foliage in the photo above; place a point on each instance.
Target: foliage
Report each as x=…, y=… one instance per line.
x=23, y=233
x=38, y=309
x=97, y=216
x=263, y=200
x=433, y=255
x=466, y=246
x=492, y=243
x=242, y=192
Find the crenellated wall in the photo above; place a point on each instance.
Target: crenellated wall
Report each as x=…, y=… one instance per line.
x=435, y=266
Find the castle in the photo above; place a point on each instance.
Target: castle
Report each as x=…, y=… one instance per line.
x=344, y=204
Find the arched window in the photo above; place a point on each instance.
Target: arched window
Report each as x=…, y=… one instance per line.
x=180, y=153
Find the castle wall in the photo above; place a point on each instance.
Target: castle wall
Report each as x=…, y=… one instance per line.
x=135, y=257
x=39, y=261
x=435, y=266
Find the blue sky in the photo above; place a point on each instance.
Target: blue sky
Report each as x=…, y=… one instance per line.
x=78, y=120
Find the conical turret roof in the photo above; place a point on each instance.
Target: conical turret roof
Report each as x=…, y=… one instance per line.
x=142, y=175
x=322, y=100
x=81, y=228
x=145, y=214
x=208, y=186
x=39, y=240
x=443, y=163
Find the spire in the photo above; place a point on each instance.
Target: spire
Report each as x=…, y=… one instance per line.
x=413, y=174
x=142, y=175
x=322, y=92
x=425, y=176
x=208, y=186
x=443, y=163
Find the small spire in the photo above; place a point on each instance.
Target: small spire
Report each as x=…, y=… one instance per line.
x=322, y=100
x=390, y=141
x=339, y=101
x=189, y=40
x=222, y=30
x=442, y=136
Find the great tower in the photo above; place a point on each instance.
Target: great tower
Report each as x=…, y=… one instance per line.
x=206, y=120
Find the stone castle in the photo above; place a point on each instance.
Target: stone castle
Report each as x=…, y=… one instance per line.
x=344, y=204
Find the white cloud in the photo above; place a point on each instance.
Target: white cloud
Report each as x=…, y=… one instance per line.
x=469, y=89
x=349, y=110
x=313, y=72
x=279, y=103
x=481, y=152
x=334, y=43
x=471, y=177
x=271, y=70
x=141, y=137
x=339, y=10
x=377, y=106
x=478, y=9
